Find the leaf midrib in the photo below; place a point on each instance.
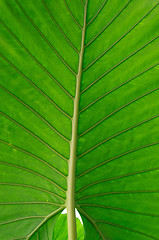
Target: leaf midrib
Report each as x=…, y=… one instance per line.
x=70, y=202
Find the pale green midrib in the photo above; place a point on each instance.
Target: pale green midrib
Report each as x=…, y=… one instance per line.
x=70, y=201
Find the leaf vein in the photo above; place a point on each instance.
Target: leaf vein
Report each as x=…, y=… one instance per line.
x=116, y=157
x=122, y=61
x=34, y=173
x=121, y=192
x=19, y=219
x=36, y=113
x=117, y=177
x=35, y=136
x=58, y=26
x=102, y=54
x=34, y=156
x=126, y=228
x=118, y=209
x=118, y=109
x=108, y=23
x=32, y=187
x=38, y=63
x=18, y=238
x=117, y=87
x=46, y=40
x=44, y=221
x=74, y=19
x=91, y=221
x=23, y=203
x=117, y=134
x=82, y=2
x=97, y=13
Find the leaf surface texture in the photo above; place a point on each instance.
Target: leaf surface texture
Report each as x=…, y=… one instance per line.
x=117, y=165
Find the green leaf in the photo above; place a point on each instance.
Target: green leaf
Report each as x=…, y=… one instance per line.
x=79, y=118
x=46, y=232
x=60, y=230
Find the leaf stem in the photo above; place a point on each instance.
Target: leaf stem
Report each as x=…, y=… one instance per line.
x=70, y=203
